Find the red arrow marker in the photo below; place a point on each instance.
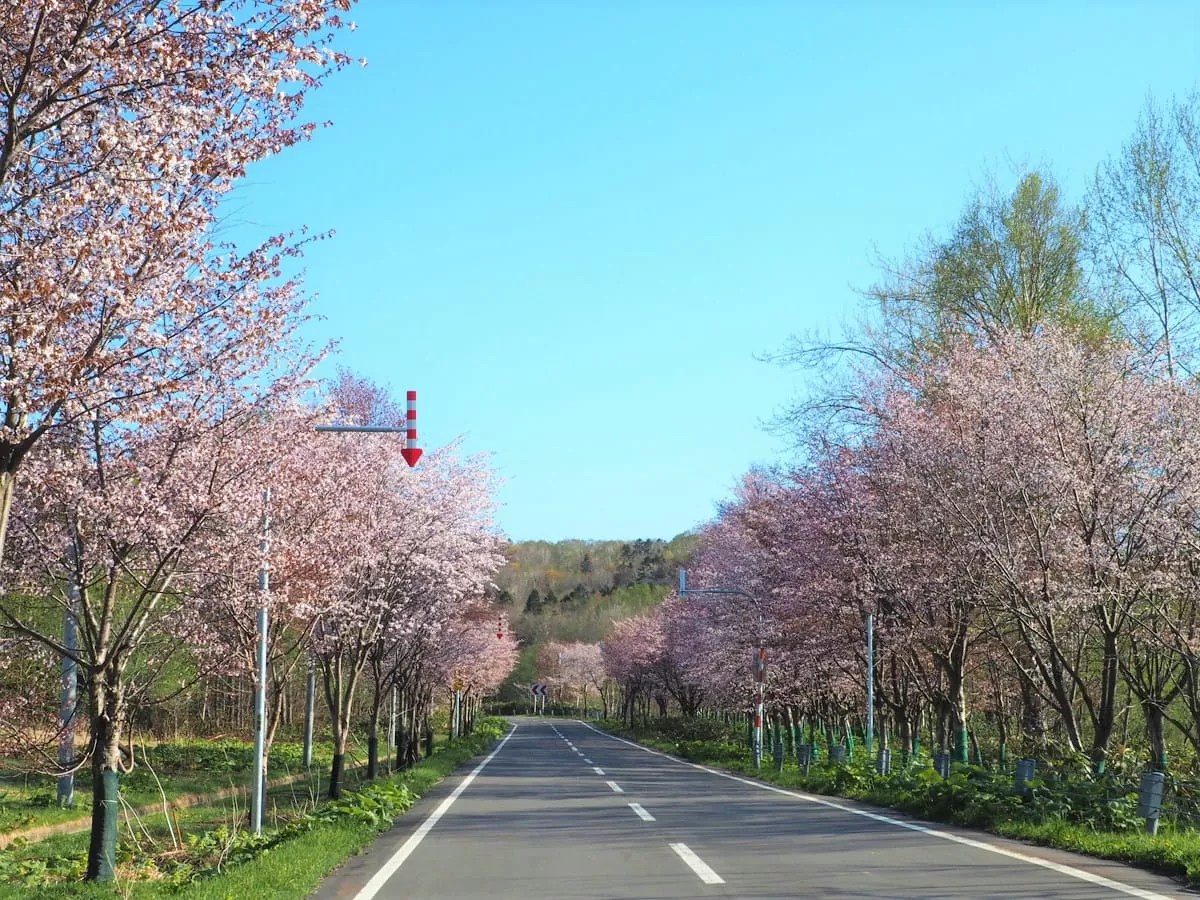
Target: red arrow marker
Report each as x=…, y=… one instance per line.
x=411, y=451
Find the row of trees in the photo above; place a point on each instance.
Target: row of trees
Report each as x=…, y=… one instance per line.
x=154, y=392
x=1003, y=473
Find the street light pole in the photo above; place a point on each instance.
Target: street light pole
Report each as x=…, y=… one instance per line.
x=870, y=682
x=70, y=681
x=260, y=682
x=310, y=708
x=264, y=587
x=411, y=454
x=760, y=659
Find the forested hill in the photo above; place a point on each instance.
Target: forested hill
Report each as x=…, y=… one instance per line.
x=542, y=574
x=573, y=590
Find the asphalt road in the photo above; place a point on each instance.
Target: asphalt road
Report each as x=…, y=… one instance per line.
x=561, y=811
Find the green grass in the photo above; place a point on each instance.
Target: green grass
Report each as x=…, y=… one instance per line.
x=290, y=868
x=182, y=767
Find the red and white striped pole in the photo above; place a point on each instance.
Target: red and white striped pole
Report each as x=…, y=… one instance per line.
x=411, y=451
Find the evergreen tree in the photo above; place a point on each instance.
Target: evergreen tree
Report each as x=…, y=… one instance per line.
x=533, y=603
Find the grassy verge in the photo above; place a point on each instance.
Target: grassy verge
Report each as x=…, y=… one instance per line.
x=224, y=861
x=179, y=767
x=1097, y=817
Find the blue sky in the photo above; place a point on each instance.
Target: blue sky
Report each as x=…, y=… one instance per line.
x=572, y=226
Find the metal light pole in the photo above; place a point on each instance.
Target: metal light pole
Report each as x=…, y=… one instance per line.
x=759, y=665
x=870, y=682
x=310, y=708
x=760, y=675
x=411, y=454
x=260, y=681
x=70, y=682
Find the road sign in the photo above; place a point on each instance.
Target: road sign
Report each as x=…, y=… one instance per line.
x=538, y=690
x=411, y=451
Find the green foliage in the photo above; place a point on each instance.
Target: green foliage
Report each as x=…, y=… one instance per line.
x=1011, y=265
x=377, y=805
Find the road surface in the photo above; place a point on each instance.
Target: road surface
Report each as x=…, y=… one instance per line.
x=561, y=811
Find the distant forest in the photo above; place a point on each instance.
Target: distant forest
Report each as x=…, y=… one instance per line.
x=545, y=578
x=575, y=590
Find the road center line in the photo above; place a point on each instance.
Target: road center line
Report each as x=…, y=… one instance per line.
x=1071, y=871
x=617, y=789
x=597, y=770
x=389, y=868
x=699, y=866
x=641, y=813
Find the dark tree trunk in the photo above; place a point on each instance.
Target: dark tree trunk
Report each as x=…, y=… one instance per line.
x=1154, y=732
x=336, y=774
x=107, y=716
x=1106, y=712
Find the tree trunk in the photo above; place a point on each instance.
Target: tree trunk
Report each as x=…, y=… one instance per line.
x=404, y=739
x=107, y=718
x=373, y=743
x=957, y=681
x=1154, y=732
x=1106, y=712
x=7, y=489
x=336, y=773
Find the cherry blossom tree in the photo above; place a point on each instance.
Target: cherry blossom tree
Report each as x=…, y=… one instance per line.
x=425, y=546
x=630, y=653
x=125, y=125
x=135, y=342
x=1019, y=517
x=137, y=510
x=473, y=654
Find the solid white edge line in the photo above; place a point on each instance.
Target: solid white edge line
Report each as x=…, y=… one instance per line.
x=617, y=789
x=641, y=812
x=1062, y=869
x=389, y=868
x=697, y=865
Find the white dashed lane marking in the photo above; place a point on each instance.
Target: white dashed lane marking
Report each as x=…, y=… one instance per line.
x=697, y=865
x=641, y=813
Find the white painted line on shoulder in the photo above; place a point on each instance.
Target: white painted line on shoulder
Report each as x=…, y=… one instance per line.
x=389, y=868
x=697, y=865
x=1127, y=889
x=597, y=770
x=617, y=789
x=641, y=813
